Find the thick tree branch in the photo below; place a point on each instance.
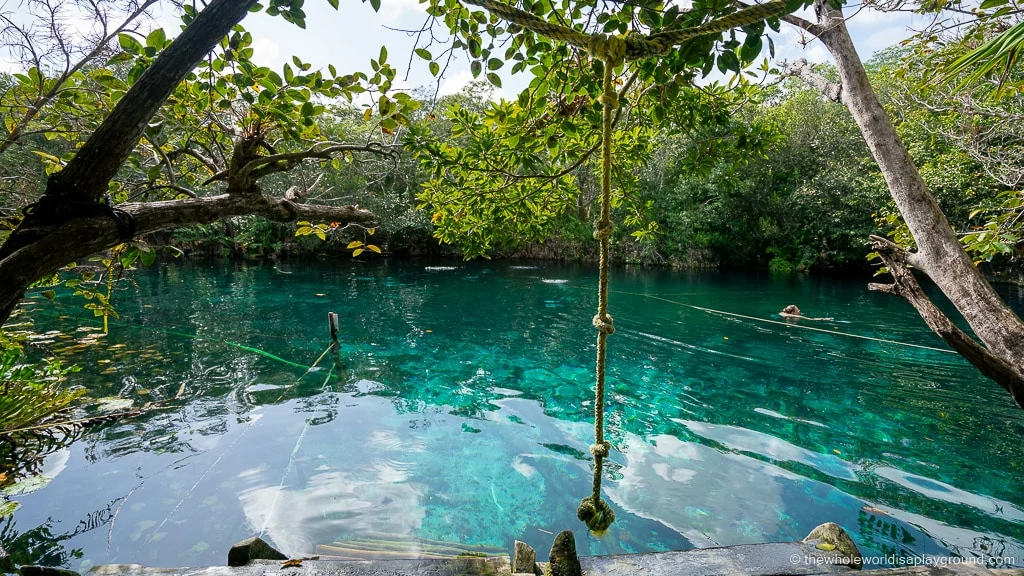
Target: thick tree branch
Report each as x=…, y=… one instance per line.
x=81, y=237
x=906, y=286
x=805, y=25
x=801, y=69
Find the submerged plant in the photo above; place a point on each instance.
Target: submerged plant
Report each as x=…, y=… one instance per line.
x=31, y=395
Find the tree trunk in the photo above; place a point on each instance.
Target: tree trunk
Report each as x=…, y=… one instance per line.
x=939, y=253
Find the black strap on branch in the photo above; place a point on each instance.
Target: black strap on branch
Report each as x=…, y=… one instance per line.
x=58, y=205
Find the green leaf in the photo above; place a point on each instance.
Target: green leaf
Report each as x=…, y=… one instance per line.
x=375, y=4
x=49, y=294
x=128, y=43
x=424, y=53
x=333, y=3
x=9, y=507
x=156, y=39
x=148, y=256
x=727, y=61
x=383, y=55
x=475, y=68
x=435, y=68
x=494, y=79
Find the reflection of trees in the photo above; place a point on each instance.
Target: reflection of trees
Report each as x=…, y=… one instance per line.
x=38, y=546
x=885, y=535
x=22, y=455
x=891, y=536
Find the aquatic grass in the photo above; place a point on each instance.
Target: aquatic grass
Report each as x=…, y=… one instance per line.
x=32, y=394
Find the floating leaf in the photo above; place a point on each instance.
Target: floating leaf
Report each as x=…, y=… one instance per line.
x=825, y=546
x=8, y=508
x=27, y=485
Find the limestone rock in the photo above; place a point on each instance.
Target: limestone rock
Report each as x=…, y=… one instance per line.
x=562, y=559
x=524, y=558
x=252, y=549
x=845, y=550
x=46, y=571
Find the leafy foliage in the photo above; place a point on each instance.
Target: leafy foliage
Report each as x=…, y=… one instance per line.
x=31, y=395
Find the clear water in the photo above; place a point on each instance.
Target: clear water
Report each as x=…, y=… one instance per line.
x=462, y=410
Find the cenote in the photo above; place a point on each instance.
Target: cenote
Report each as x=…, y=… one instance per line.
x=461, y=412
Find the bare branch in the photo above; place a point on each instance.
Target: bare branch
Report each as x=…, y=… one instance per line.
x=801, y=69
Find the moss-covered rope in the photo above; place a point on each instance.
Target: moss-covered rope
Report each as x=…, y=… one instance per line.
x=593, y=511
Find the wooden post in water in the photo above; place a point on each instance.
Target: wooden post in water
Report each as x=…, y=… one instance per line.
x=332, y=320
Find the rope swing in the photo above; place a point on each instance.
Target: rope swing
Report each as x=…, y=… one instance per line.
x=593, y=511
x=613, y=51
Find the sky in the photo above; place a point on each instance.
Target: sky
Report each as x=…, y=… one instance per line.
x=348, y=38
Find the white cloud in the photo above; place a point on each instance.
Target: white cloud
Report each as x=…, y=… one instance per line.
x=454, y=83
x=393, y=10
x=266, y=52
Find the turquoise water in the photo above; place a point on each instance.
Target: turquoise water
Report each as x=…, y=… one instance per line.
x=460, y=412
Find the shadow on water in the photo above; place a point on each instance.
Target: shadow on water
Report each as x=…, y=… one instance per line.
x=459, y=417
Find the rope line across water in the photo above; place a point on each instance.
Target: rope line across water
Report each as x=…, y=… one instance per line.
x=291, y=458
x=788, y=324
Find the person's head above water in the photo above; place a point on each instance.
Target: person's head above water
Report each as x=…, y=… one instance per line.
x=791, y=309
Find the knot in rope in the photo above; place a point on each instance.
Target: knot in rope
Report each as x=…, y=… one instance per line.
x=608, y=48
x=604, y=325
x=596, y=514
x=603, y=229
x=601, y=450
x=609, y=99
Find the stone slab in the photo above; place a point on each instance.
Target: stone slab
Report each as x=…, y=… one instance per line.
x=782, y=559
x=790, y=558
x=494, y=566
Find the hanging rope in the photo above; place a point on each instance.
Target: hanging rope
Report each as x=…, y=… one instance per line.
x=613, y=51
x=593, y=511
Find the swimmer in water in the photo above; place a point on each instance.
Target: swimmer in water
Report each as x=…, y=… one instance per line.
x=793, y=313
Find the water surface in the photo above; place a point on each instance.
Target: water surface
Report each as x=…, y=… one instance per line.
x=460, y=412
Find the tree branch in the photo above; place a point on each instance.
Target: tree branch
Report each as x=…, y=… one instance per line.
x=801, y=69
x=75, y=239
x=906, y=286
x=286, y=160
x=805, y=25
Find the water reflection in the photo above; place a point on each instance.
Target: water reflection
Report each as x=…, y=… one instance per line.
x=459, y=414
